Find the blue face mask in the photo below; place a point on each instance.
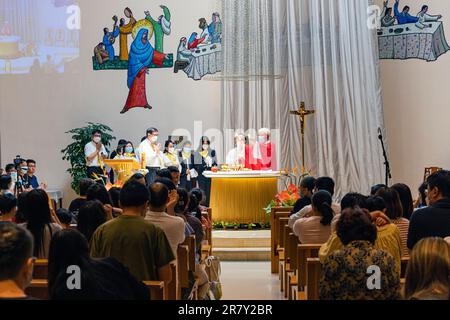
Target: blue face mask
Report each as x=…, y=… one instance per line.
x=129, y=150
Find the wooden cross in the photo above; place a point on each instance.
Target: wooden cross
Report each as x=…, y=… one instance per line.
x=302, y=113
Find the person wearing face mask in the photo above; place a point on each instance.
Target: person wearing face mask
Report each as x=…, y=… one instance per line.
x=170, y=155
x=16, y=261
x=95, y=153
x=150, y=151
x=127, y=152
x=237, y=155
x=267, y=159
x=188, y=174
x=205, y=159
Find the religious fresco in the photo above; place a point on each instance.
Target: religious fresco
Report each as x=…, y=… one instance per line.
x=402, y=35
x=140, y=57
x=201, y=54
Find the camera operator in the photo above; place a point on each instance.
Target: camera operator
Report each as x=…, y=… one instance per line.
x=31, y=179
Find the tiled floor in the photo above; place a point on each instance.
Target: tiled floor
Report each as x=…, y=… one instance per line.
x=249, y=281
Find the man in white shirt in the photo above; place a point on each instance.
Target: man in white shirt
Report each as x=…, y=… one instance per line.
x=150, y=151
x=322, y=183
x=95, y=152
x=173, y=226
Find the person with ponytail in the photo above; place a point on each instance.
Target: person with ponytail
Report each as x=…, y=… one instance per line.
x=316, y=229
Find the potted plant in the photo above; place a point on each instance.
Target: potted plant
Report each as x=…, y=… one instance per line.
x=74, y=152
x=290, y=194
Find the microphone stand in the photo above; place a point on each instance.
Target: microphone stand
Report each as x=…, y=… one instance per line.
x=388, y=175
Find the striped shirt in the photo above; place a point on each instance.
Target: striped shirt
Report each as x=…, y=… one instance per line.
x=403, y=225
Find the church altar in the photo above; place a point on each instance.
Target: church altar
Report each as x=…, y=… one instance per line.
x=241, y=196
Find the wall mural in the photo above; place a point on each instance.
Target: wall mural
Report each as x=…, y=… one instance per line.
x=202, y=53
x=404, y=36
x=142, y=55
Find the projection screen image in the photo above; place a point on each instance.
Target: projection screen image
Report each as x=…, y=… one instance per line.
x=38, y=36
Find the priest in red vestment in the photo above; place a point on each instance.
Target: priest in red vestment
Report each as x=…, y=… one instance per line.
x=266, y=155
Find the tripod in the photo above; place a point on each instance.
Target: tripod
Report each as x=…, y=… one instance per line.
x=388, y=175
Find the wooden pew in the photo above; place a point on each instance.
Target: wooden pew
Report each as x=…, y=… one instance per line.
x=40, y=269
x=313, y=273
x=304, y=251
x=38, y=289
x=157, y=290
x=290, y=268
x=275, y=214
x=282, y=226
x=171, y=290
x=183, y=269
x=191, y=244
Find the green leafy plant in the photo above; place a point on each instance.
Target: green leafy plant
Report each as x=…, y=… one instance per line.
x=223, y=225
x=74, y=152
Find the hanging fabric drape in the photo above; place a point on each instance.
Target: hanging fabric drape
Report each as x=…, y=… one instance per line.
x=279, y=53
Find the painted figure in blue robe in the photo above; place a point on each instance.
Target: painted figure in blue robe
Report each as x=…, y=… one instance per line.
x=404, y=17
x=215, y=28
x=142, y=55
x=109, y=39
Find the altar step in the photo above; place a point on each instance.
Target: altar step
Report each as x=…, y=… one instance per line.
x=242, y=245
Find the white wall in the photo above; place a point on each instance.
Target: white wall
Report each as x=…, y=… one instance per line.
x=416, y=97
x=35, y=112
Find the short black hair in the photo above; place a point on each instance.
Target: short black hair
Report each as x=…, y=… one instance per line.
x=30, y=161
x=424, y=7
x=159, y=194
x=375, y=203
x=96, y=131
x=167, y=182
x=198, y=193
x=7, y=203
x=5, y=182
x=16, y=247
x=308, y=183
x=64, y=215
x=183, y=200
x=9, y=167
x=406, y=8
x=84, y=185
x=325, y=183
x=352, y=200
x=98, y=192
x=173, y=169
x=133, y=194
x=374, y=189
x=355, y=225
x=90, y=216
x=164, y=173
x=136, y=176
x=114, y=194
x=151, y=131
x=440, y=180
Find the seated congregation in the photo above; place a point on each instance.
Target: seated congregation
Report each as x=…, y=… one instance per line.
x=385, y=246
x=135, y=243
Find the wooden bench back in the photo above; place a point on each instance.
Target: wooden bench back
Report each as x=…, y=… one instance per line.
x=40, y=269
x=313, y=272
x=157, y=290
x=275, y=214
x=305, y=251
x=183, y=266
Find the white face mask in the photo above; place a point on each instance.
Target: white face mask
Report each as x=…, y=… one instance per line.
x=187, y=150
x=97, y=139
x=261, y=139
x=14, y=177
x=171, y=150
x=205, y=146
x=154, y=139
x=24, y=169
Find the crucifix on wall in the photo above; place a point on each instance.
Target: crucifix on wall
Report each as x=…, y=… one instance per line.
x=302, y=113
